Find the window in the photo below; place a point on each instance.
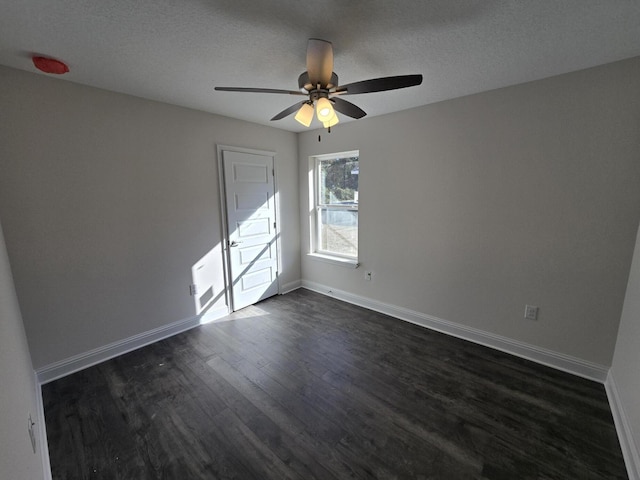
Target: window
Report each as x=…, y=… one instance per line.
x=335, y=197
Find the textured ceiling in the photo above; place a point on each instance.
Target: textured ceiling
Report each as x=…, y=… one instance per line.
x=176, y=51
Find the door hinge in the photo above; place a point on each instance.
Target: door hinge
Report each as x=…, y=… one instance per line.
x=274, y=224
x=273, y=172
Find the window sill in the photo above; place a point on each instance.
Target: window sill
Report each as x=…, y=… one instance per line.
x=343, y=262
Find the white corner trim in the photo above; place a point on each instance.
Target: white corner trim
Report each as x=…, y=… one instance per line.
x=559, y=361
x=41, y=442
x=84, y=360
x=625, y=434
x=290, y=287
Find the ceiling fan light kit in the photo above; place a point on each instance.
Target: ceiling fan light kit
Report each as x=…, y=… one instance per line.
x=334, y=120
x=305, y=114
x=324, y=110
x=320, y=85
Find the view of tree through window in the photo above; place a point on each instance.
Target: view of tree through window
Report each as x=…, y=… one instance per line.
x=337, y=205
x=339, y=181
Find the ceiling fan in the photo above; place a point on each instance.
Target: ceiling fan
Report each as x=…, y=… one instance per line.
x=320, y=85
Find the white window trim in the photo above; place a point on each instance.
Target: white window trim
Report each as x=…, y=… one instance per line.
x=335, y=260
x=314, y=187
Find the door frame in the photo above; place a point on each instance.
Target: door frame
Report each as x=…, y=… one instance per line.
x=224, y=222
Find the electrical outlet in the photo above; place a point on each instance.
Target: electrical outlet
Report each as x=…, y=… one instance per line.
x=32, y=434
x=367, y=276
x=530, y=312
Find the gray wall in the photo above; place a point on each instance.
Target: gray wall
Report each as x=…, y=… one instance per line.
x=18, y=387
x=626, y=361
x=107, y=203
x=474, y=207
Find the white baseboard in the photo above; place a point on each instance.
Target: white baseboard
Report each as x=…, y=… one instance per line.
x=84, y=360
x=625, y=434
x=560, y=361
x=290, y=287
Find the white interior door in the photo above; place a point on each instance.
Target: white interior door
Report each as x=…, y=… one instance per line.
x=251, y=226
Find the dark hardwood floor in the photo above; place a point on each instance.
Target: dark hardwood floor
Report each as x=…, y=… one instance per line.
x=302, y=386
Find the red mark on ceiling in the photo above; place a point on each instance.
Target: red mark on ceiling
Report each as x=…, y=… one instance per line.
x=50, y=65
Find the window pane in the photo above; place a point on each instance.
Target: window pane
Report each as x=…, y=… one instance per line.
x=338, y=230
x=338, y=181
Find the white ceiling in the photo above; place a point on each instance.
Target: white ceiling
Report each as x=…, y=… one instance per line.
x=176, y=51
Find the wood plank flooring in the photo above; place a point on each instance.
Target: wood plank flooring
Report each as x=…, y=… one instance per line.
x=302, y=386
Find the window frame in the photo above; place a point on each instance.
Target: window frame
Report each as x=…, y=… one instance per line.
x=317, y=206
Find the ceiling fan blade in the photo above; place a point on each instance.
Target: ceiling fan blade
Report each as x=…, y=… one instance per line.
x=347, y=108
x=258, y=90
x=288, y=111
x=380, y=84
x=319, y=61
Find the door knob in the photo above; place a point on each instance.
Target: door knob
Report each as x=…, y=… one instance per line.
x=234, y=243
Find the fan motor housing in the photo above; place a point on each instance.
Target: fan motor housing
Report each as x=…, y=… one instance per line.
x=305, y=85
